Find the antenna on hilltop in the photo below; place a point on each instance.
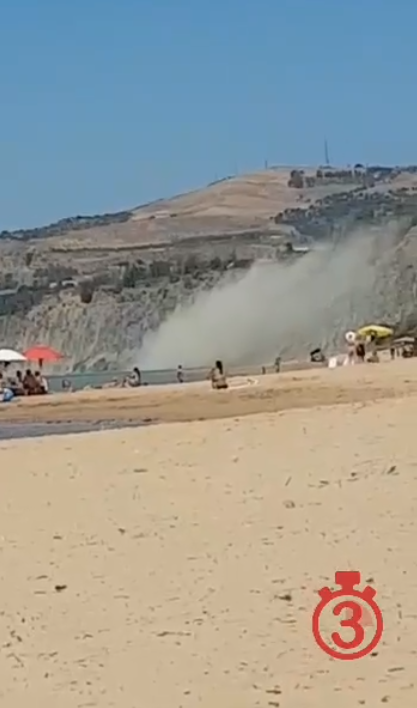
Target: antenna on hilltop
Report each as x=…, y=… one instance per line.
x=326, y=154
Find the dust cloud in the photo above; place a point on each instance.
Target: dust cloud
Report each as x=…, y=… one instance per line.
x=275, y=308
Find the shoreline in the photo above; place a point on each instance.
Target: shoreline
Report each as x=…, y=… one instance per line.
x=97, y=380
x=22, y=431
x=270, y=393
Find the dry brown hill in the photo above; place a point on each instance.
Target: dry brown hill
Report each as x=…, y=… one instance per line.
x=235, y=204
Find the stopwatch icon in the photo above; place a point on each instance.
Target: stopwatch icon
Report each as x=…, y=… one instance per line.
x=354, y=601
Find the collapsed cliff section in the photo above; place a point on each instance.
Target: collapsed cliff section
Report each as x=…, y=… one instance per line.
x=288, y=307
x=395, y=291
x=381, y=260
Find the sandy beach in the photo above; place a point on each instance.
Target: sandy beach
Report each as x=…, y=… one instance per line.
x=178, y=564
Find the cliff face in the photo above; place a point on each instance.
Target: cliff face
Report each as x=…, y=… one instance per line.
x=105, y=333
x=273, y=262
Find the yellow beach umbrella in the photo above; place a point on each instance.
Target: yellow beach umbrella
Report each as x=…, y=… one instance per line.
x=378, y=331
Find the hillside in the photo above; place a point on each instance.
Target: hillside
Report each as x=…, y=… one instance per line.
x=94, y=287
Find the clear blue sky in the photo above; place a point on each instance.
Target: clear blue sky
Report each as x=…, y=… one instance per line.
x=105, y=105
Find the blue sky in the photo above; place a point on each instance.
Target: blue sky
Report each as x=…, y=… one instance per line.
x=105, y=105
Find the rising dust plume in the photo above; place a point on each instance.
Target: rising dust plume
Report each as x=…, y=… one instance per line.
x=276, y=308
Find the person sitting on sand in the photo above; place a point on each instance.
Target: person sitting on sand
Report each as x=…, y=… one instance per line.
x=135, y=379
x=30, y=385
x=218, y=377
x=66, y=385
x=16, y=384
x=42, y=383
x=6, y=393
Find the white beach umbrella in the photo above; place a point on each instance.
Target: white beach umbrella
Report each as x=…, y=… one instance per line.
x=9, y=356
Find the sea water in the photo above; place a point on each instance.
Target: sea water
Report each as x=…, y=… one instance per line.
x=97, y=379
x=159, y=377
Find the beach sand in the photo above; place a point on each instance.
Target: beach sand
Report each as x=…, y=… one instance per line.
x=178, y=564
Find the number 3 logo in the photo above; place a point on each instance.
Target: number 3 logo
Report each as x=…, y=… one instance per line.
x=353, y=622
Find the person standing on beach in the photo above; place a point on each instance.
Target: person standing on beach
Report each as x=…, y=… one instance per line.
x=350, y=338
x=360, y=351
x=180, y=374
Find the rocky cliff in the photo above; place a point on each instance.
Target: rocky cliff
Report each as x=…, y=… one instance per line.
x=274, y=261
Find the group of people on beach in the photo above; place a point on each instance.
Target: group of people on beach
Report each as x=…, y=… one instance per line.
x=22, y=384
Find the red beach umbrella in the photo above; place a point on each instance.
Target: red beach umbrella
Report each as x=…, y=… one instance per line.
x=43, y=354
